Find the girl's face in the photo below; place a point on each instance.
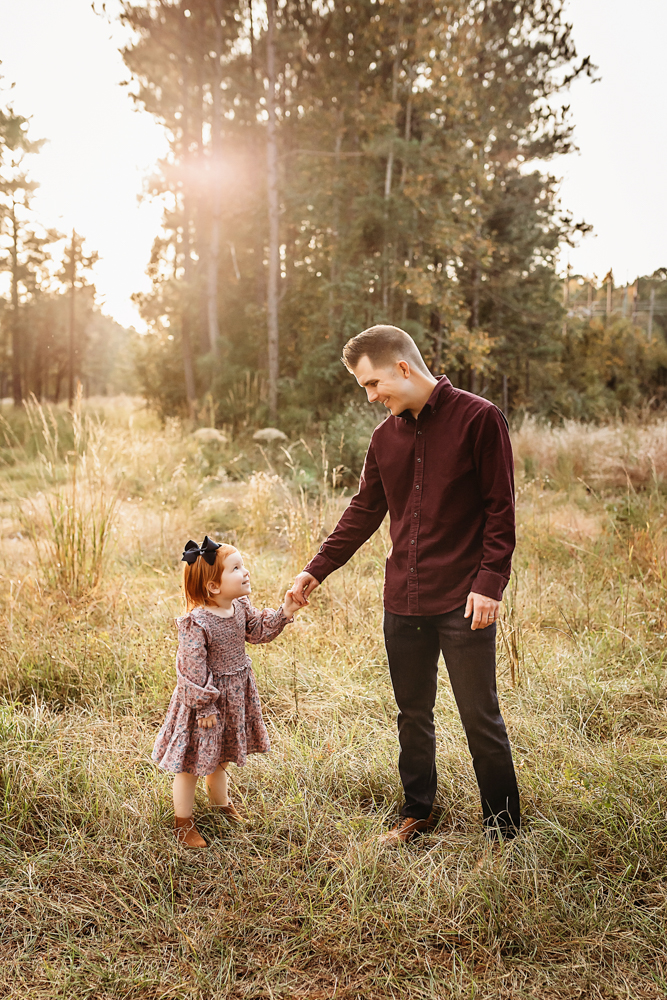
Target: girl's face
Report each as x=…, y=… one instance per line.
x=235, y=581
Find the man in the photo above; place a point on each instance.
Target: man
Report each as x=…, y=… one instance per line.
x=441, y=465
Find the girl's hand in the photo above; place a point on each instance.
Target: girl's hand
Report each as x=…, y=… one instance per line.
x=208, y=722
x=290, y=606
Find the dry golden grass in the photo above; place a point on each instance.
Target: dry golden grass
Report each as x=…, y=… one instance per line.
x=96, y=899
x=607, y=456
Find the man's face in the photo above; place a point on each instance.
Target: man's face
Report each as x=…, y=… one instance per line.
x=390, y=386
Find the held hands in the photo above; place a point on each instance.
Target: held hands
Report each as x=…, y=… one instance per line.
x=208, y=722
x=298, y=594
x=484, y=610
x=291, y=605
x=302, y=588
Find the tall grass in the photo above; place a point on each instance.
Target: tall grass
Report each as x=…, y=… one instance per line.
x=607, y=456
x=70, y=520
x=98, y=901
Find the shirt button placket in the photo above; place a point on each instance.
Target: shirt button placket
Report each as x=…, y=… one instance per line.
x=413, y=575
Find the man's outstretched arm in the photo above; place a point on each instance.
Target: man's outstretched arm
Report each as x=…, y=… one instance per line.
x=364, y=516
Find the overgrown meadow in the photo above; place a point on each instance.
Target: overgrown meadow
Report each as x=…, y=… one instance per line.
x=98, y=901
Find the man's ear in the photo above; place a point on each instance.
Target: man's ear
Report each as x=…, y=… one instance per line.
x=404, y=369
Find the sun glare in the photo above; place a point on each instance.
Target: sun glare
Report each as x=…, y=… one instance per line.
x=66, y=74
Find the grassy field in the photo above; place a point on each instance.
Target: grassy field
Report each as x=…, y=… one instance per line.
x=97, y=900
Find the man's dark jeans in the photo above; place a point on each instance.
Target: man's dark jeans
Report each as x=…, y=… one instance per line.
x=413, y=648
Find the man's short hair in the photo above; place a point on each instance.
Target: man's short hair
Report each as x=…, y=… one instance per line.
x=383, y=346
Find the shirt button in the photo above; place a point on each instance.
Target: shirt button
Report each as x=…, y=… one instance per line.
x=415, y=514
x=412, y=542
x=417, y=487
x=418, y=432
x=419, y=459
x=412, y=569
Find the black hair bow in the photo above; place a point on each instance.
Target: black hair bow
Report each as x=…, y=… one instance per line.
x=206, y=550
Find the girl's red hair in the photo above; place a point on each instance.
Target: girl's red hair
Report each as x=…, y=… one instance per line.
x=197, y=576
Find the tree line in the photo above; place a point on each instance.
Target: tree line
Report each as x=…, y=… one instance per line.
x=52, y=333
x=337, y=165
x=334, y=165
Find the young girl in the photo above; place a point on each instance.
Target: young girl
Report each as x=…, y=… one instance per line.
x=214, y=715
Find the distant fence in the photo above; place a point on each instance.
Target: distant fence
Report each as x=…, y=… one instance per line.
x=584, y=301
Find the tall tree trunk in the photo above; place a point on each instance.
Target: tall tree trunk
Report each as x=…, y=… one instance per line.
x=436, y=326
x=386, y=277
x=186, y=311
x=474, y=323
x=17, y=353
x=274, y=245
x=252, y=45
x=214, y=245
x=200, y=208
x=39, y=355
x=186, y=304
x=71, y=343
x=408, y=125
x=333, y=267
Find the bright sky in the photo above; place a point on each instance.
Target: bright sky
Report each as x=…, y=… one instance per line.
x=616, y=181
x=66, y=68
x=67, y=71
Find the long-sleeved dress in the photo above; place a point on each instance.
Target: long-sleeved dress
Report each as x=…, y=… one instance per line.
x=214, y=677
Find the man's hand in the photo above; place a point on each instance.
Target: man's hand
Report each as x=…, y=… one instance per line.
x=208, y=722
x=303, y=587
x=484, y=610
x=290, y=606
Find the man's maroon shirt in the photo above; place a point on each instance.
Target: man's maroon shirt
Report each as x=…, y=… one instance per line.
x=447, y=480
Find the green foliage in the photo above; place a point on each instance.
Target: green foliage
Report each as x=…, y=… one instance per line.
x=407, y=140
x=348, y=434
x=403, y=136
x=609, y=369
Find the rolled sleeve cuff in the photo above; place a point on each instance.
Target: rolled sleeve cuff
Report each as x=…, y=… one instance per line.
x=320, y=567
x=207, y=712
x=489, y=585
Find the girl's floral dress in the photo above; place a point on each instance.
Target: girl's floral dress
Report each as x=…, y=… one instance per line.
x=214, y=677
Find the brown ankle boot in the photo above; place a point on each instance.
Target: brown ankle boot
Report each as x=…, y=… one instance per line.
x=187, y=833
x=231, y=814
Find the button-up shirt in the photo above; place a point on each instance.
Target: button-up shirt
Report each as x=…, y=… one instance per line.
x=447, y=481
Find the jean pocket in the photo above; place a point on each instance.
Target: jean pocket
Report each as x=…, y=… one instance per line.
x=400, y=625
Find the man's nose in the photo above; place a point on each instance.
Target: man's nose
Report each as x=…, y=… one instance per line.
x=372, y=395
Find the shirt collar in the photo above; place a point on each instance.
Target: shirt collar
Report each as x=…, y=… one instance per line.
x=440, y=391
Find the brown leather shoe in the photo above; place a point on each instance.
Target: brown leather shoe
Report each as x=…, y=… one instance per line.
x=231, y=813
x=187, y=833
x=404, y=831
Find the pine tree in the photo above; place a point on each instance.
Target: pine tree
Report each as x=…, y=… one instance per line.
x=402, y=131
x=23, y=245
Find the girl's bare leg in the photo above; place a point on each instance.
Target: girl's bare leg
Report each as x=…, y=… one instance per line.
x=184, y=794
x=216, y=785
